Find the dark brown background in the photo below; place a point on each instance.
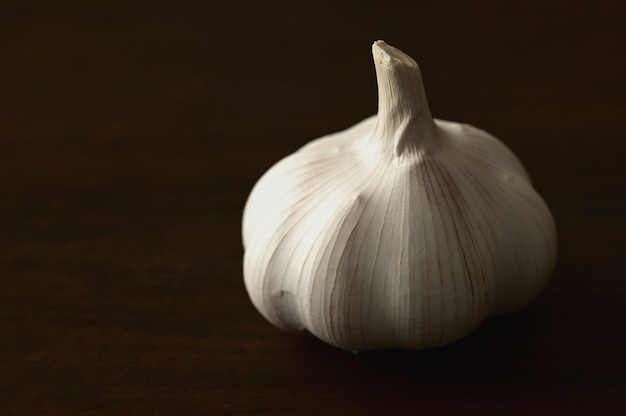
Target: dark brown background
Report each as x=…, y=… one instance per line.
x=132, y=131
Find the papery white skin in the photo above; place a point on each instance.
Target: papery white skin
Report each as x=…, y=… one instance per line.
x=399, y=232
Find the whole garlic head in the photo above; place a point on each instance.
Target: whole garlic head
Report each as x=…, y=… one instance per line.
x=402, y=231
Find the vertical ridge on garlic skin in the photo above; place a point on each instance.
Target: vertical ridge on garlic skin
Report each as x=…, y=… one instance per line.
x=484, y=214
x=455, y=300
x=322, y=253
x=344, y=272
x=325, y=280
x=397, y=251
x=371, y=259
x=471, y=252
x=295, y=246
x=437, y=245
x=452, y=206
x=404, y=288
x=358, y=273
x=395, y=272
x=425, y=270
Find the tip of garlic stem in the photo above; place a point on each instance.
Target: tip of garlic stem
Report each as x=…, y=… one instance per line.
x=388, y=54
x=404, y=122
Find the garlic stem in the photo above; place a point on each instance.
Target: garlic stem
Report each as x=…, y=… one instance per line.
x=404, y=123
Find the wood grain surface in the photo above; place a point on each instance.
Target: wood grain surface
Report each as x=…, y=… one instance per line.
x=131, y=133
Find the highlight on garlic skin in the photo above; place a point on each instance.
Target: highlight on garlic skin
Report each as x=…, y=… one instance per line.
x=402, y=231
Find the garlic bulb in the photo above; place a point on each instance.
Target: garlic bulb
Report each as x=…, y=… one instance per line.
x=402, y=231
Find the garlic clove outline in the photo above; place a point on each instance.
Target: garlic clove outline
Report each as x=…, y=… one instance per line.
x=402, y=231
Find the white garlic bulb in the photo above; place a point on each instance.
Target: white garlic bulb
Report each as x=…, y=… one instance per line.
x=400, y=232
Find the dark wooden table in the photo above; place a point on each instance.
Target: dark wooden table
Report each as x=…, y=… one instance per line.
x=131, y=133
